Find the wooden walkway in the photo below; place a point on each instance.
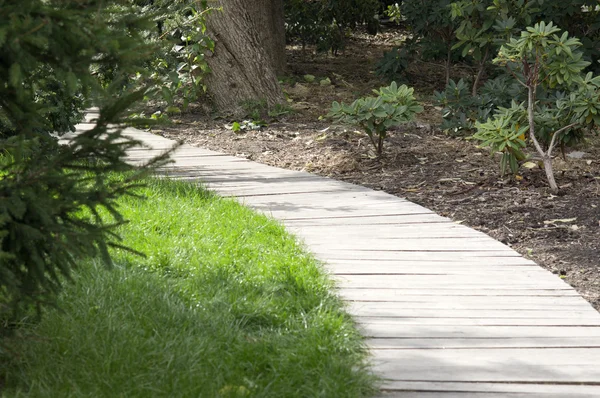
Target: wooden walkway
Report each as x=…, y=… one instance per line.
x=447, y=311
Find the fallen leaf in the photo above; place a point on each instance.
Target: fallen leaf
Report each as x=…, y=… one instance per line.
x=560, y=220
x=529, y=165
x=576, y=155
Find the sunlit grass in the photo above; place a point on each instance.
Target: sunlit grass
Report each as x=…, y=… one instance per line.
x=225, y=304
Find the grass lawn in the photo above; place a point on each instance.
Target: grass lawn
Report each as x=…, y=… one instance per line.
x=226, y=304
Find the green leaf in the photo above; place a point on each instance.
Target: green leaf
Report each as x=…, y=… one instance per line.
x=488, y=23
x=104, y=254
x=72, y=82
x=15, y=76
x=465, y=50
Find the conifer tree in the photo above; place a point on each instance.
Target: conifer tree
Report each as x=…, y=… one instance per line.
x=56, y=58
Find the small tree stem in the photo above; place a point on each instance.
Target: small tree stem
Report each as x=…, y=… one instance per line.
x=546, y=158
x=550, y=174
x=448, y=62
x=530, y=114
x=480, y=72
x=373, y=141
x=556, y=133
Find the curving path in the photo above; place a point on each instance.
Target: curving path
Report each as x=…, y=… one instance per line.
x=447, y=311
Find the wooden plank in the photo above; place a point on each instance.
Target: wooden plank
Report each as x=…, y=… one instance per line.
x=248, y=180
x=503, y=271
x=516, y=261
x=399, y=229
x=464, y=257
x=483, y=294
x=394, y=322
x=453, y=389
x=379, y=330
x=360, y=196
x=410, y=299
x=424, y=218
x=351, y=234
x=459, y=296
x=481, y=343
x=515, y=365
x=422, y=245
x=393, y=310
x=288, y=210
x=474, y=303
x=181, y=155
x=454, y=394
x=502, y=281
x=214, y=166
x=447, y=287
x=271, y=189
x=441, y=269
x=201, y=166
x=359, y=217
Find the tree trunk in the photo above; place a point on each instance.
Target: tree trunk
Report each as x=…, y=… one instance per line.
x=248, y=52
x=275, y=35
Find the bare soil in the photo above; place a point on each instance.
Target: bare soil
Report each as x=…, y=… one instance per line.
x=449, y=175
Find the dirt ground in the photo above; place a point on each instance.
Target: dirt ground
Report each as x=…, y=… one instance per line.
x=448, y=175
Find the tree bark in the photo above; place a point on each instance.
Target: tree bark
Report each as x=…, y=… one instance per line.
x=248, y=52
x=274, y=36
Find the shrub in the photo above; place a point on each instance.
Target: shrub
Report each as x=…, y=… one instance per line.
x=393, y=106
x=581, y=18
x=461, y=110
x=433, y=29
x=542, y=58
x=325, y=23
x=176, y=69
x=483, y=25
x=393, y=64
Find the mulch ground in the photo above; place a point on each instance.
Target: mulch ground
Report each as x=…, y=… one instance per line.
x=449, y=175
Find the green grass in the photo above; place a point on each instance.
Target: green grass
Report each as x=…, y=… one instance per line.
x=226, y=304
